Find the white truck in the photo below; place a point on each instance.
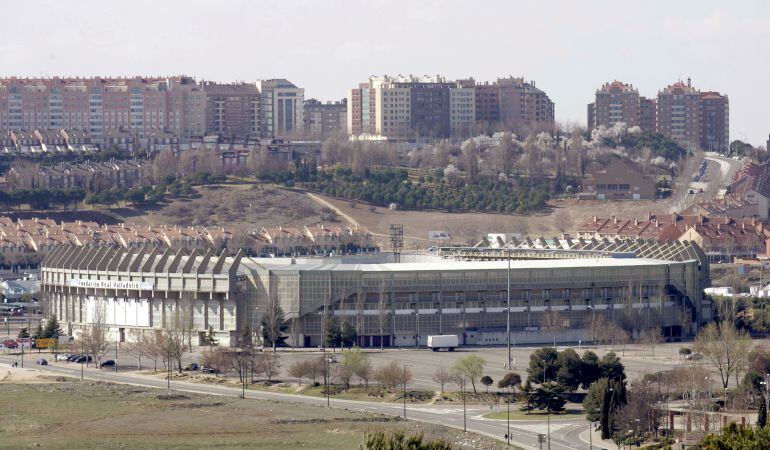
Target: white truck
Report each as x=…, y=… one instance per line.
x=447, y=341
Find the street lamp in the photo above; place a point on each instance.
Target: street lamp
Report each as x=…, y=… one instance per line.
x=462, y=390
x=593, y=324
x=405, y=366
x=548, y=418
x=508, y=310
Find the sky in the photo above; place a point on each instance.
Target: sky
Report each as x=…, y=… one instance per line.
x=568, y=47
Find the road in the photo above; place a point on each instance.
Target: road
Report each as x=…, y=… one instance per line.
x=564, y=432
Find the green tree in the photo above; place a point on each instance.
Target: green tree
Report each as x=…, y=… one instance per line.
x=348, y=334
x=547, y=397
x=23, y=333
x=510, y=381
x=52, y=328
x=735, y=437
x=543, y=365
x=487, y=381
x=611, y=367
x=38, y=331
x=590, y=370
x=332, y=335
x=594, y=399
x=569, y=373
x=472, y=367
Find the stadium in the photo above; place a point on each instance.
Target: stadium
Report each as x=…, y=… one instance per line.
x=634, y=283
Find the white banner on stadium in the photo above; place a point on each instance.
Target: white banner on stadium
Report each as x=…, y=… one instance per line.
x=110, y=284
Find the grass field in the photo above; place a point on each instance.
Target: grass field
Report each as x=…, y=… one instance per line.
x=72, y=414
x=533, y=415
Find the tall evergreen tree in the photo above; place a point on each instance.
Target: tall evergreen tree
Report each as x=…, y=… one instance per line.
x=52, y=328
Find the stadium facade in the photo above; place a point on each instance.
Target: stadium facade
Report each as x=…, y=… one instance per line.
x=634, y=283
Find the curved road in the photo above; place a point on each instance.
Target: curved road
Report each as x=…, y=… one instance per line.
x=564, y=432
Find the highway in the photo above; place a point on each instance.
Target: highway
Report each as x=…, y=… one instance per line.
x=564, y=432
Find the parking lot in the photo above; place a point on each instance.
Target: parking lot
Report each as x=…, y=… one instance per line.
x=423, y=362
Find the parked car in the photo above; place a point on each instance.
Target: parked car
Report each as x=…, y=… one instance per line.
x=108, y=363
x=83, y=359
x=191, y=367
x=41, y=362
x=72, y=358
x=10, y=343
x=206, y=369
x=63, y=357
x=694, y=357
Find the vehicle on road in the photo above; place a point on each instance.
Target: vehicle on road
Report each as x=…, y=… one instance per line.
x=443, y=341
x=694, y=357
x=10, y=343
x=207, y=369
x=191, y=367
x=108, y=363
x=41, y=362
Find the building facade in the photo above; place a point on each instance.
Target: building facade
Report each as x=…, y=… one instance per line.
x=396, y=304
x=233, y=109
x=431, y=106
x=688, y=116
x=620, y=180
x=282, y=107
x=324, y=119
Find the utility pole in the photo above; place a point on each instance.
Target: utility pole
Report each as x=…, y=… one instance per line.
x=462, y=388
x=405, y=365
x=116, y=353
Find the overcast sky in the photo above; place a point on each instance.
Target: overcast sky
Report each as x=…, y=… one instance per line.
x=568, y=47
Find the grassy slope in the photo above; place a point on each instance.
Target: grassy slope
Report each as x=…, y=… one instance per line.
x=76, y=415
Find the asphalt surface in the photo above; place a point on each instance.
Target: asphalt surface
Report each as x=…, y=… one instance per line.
x=564, y=432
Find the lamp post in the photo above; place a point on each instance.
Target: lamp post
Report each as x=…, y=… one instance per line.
x=508, y=310
x=590, y=437
x=117, y=337
x=417, y=320
x=508, y=417
x=82, y=351
x=548, y=418
x=462, y=390
x=405, y=365
x=593, y=324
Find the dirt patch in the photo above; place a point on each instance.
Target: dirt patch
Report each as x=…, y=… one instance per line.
x=471, y=227
x=246, y=206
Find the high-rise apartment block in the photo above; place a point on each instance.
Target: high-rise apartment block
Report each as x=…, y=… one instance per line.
x=322, y=119
x=402, y=107
x=144, y=107
x=693, y=118
x=282, y=107
x=233, y=109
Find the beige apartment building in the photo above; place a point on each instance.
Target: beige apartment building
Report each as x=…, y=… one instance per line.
x=619, y=180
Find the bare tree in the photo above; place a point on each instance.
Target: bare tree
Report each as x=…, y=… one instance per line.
x=217, y=358
x=139, y=346
x=164, y=165
x=651, y=337
x=382, y=313
x=725, y=347
x=268, y=364
x=95, y=335
x=274, y=320
x=300, y=369
x=392, y=375
x=442, y=377
x=553, y=322
x=175, y=336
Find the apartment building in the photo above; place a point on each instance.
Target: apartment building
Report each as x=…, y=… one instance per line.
x=232, y=108
x=282, y=106
x=323, y=119
x=431, y=106
x=615, y=102
x=136, y=108
x=693, y=118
